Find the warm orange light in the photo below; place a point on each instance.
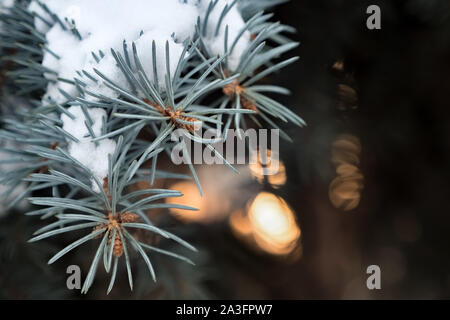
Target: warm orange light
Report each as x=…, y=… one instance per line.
x=338, y=65
x=211, y=207
x=345, y=193
x=345, y=189
x=240, y=224
x=191, y=197
x=269, y=225
x=261, y=172
x=273, y=224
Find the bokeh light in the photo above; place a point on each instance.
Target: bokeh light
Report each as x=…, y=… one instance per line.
x=211, y=206
x=262, y=171
x=345, y=189
x=268, y=225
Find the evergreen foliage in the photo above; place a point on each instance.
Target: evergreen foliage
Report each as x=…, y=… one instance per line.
x=203, y=92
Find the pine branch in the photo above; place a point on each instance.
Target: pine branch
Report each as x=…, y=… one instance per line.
x=104, y=112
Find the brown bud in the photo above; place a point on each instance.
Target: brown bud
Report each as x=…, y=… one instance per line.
x=100, y=226
x=249, y=105
x=118, y=246
x=232, y=88
x=129, y=217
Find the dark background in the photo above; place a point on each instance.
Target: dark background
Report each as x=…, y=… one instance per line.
x=401, y=77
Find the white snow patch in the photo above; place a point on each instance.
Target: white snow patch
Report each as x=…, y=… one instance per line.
x=105, y=24
x=144, y=47
x=216, y=44
x=93, y=156
x=4, y=5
